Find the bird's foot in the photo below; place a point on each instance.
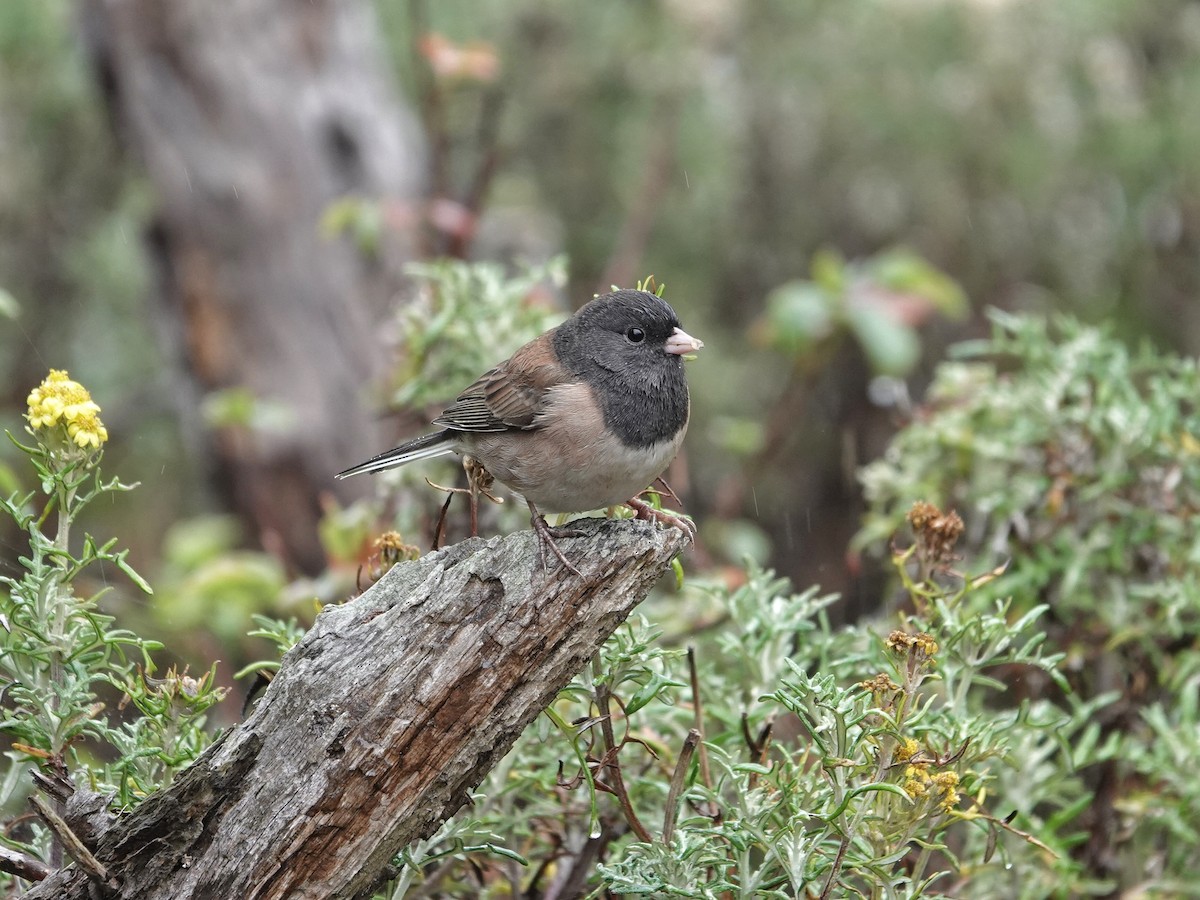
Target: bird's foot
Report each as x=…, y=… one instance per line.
x=650, y=514
x=546, y=536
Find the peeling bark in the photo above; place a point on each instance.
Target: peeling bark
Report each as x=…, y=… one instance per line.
x=380, y=721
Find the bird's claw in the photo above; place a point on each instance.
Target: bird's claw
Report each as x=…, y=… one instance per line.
x=546, y=536
x=649, y=513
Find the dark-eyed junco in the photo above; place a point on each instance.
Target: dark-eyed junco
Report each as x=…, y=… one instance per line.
x=583, y=417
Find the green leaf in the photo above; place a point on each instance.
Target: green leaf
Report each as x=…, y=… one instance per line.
x=829, y=271
x=904, y=271
x=137, y=579
x=891, y=347
x=879, y=787
x=677, y=571
x=498, y=851
x=800, y=314
x=263, y=665
x=649, y=691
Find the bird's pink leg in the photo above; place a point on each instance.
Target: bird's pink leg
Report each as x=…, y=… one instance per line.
x=546, y=539
x=650, y=514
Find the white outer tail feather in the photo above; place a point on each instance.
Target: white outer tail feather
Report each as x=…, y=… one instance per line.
x=426, y=447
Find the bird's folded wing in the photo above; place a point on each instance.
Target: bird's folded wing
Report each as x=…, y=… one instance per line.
x=507, y=397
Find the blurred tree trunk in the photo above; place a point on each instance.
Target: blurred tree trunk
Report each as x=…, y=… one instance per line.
x=252, y=117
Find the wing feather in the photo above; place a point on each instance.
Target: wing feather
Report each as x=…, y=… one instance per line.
x=508, y=397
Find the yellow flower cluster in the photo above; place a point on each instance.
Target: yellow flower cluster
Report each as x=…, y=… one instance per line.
x=60, y=401
x=907, y=749
x=919, y=783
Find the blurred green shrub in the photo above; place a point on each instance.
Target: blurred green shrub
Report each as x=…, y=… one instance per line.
x=878, y=303
x=70, y=212
x=872, y=308
x=207, y=582
x=1078, y=460
x=1039, y=153
x=466, y=318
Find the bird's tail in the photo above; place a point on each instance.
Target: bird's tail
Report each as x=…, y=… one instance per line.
x=436, y=444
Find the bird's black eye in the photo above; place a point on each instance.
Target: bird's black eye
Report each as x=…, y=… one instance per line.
x=636, y=335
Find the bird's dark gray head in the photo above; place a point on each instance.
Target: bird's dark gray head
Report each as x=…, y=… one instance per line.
x=629, y=346
x=622, y=312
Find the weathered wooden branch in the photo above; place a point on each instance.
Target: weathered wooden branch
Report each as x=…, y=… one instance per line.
x=380, y=722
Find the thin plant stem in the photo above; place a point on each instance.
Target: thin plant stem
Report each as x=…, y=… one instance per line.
x=698, y=711
x=604, y=707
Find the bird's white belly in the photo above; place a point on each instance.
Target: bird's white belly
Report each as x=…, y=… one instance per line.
x=615, y=474
x=572, y=463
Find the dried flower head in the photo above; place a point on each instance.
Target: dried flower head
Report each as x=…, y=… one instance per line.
x=921, y=644
x=392, y=548
x=879, y=684
x=936, y=533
